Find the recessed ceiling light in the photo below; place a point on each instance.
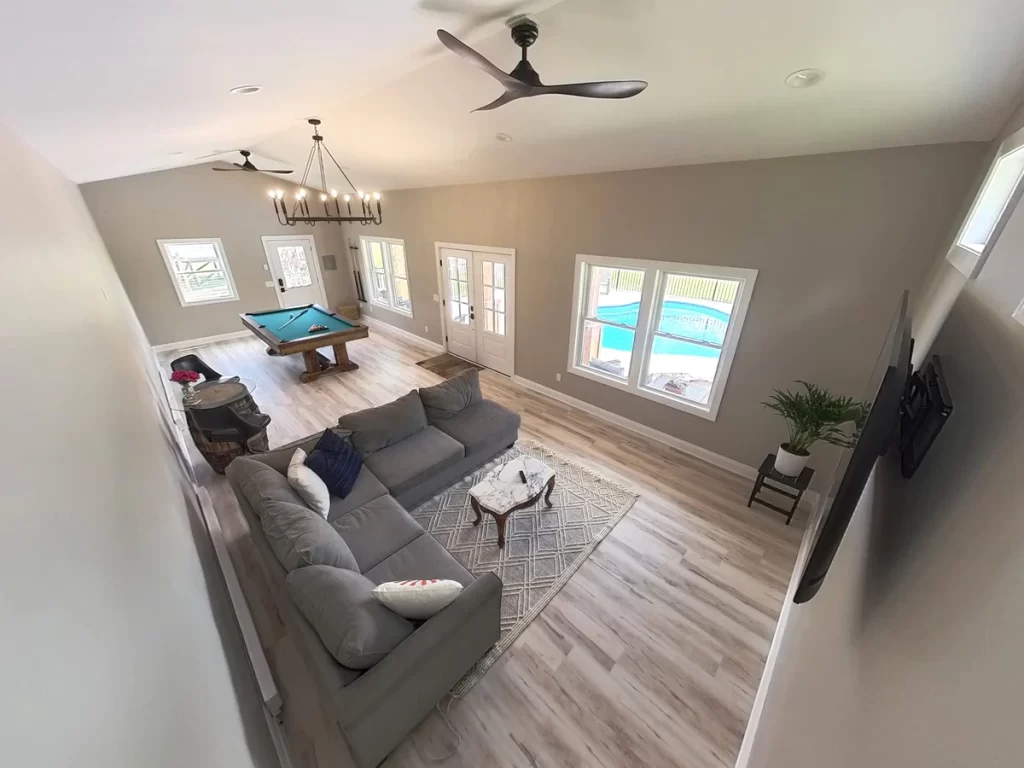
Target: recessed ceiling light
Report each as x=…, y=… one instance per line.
x=245, y=89
x=804, y=78
x=504, y=138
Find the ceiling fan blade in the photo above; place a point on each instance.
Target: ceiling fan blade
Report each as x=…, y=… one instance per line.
x=455, y=45
x=505, y=98
x=229, y=169
x=277, y=171
x=611, y=89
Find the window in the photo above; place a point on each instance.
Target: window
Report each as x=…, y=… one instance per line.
x=199, y=270
x=663, y=331
x=991, y=208
x=385, y=263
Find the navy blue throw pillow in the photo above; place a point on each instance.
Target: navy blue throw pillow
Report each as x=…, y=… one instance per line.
x=335, y=462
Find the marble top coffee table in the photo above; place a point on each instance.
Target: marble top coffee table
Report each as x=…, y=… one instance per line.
x=517, y=484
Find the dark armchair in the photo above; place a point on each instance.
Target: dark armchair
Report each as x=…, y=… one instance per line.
x=194, y=363
x=223, y=425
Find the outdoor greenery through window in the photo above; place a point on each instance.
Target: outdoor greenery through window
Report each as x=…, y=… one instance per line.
x=199, y=270
x=664, y=331
x=387, y=271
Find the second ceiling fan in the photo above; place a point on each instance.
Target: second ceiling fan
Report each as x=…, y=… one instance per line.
x=524, y=81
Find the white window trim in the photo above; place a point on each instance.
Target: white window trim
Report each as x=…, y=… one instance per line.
x=652, y=283
x=967, y=261
x=219, y=247
x=371, y=296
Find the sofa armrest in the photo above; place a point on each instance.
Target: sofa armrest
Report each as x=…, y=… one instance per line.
x=426, y=665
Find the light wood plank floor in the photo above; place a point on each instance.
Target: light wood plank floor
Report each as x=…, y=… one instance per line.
x=650, y=655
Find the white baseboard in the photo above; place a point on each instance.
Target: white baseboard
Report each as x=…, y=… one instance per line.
x=374, y=322
x=715, y=459
x=201, y=340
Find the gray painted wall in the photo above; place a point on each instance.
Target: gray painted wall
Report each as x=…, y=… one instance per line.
x=132, y=213
x=910, y=653
x=119, y=647
x=836, y=239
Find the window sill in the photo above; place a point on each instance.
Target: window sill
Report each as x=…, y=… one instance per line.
x=388, y=308
x=964, y=260
x=208, y=301
x=648, y=394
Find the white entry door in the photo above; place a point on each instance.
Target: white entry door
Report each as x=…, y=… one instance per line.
x=294, y=270
x=479, y=293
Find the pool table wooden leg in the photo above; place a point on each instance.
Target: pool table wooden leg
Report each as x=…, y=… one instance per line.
x=313, y=366
x=318, y=365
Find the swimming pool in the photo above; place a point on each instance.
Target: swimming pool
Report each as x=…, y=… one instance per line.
x=680, y=318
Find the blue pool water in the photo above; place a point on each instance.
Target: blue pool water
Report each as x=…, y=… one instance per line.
x=694, y=321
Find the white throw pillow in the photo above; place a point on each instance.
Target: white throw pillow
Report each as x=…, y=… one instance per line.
x=308, y=484
x=419, y=599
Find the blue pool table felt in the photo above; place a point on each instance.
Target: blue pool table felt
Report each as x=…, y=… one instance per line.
x=299, y=329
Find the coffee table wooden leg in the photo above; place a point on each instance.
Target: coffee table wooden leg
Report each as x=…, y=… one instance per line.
x=551, y=487
x=476, y=508
x=500, y=520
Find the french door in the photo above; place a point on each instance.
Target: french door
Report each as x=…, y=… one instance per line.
x=292, y=262
x=479, y=306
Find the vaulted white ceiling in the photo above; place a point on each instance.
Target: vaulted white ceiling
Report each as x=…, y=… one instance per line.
x=114, y=87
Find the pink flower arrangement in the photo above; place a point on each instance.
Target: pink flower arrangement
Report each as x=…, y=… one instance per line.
x=184, y=377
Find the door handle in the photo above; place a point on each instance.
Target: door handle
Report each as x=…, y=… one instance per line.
x=472, y=316
x=280, y=282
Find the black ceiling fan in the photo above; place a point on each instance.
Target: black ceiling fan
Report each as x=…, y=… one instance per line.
x=524, y=81
x=247, y=165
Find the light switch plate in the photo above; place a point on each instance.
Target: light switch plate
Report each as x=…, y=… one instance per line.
x=269, y=283
x=435, y=297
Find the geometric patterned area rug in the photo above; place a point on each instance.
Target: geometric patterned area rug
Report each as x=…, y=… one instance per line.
x=544, y=546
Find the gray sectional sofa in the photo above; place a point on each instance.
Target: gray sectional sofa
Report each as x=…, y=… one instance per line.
x=411, y=448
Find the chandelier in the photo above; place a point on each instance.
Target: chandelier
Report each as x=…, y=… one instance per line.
x=369, y=211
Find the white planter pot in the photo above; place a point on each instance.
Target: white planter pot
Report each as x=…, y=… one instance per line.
x=789, y=464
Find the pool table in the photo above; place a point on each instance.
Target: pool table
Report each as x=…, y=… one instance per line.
x=287, y=331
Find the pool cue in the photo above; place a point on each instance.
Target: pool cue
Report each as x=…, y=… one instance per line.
x=297, y=316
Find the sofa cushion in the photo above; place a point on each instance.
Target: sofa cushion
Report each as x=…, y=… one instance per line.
x=375, y=530
x=336, y=462
x=376, y=428
x=354, y=627
x=261, y=483
x=422, y=558
x=300, y=537
x=480, y=425
x=279, y=457
x=407, y=464
x=308, y=484
x=367, y=488
x=444, y=400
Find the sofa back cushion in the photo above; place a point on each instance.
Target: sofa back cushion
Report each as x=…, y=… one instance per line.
x=377, y=428
x=300, y=538
x=444, y=400
x=352, y=624
x=261, y=483
x=336, y=462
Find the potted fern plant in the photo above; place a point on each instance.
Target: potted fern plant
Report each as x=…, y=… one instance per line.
x=813, y=415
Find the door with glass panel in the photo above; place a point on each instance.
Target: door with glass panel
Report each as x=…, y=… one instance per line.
x=292, y=266
x=479, y=296
x=460, y=317
x=494, y=277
